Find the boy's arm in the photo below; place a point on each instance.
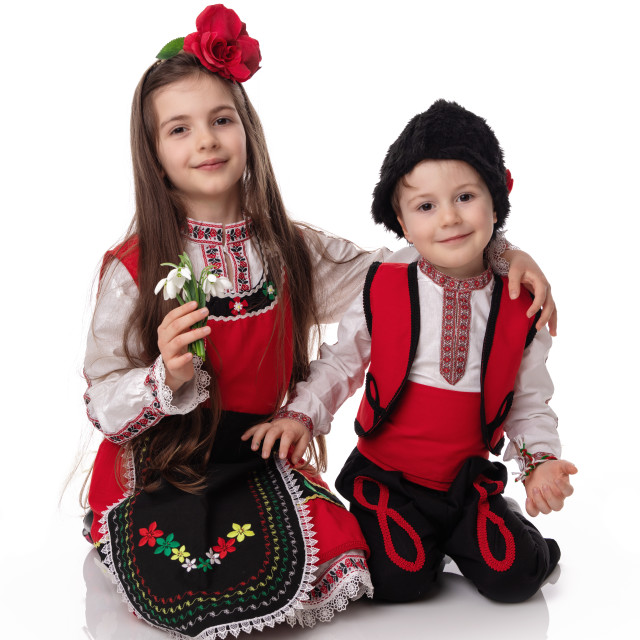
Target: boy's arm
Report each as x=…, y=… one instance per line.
x=532, y=425
x=332, y=379
x=335, y=376
x=532, y=430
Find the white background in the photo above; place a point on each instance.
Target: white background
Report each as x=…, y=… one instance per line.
x=557, y=82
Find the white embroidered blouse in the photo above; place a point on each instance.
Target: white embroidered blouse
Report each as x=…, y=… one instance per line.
x=123, y=401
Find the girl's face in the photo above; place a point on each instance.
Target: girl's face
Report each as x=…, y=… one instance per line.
x=202, y=146
x=447, y=213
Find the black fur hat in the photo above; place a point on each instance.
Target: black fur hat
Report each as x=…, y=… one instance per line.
x=446, y=131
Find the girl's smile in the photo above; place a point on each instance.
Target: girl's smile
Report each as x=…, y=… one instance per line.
x=202, y=146
x=211, y=165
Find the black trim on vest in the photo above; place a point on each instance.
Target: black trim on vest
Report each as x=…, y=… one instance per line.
x=532, y=332
x=256, y=300
x=380, y=413
x=366, y=294
x=489, y=429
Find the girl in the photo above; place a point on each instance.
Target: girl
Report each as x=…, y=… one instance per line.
x=201, y=534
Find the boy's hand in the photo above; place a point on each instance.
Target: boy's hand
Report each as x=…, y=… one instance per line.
x=548, y=485
x=524, y=271
x=290, y=432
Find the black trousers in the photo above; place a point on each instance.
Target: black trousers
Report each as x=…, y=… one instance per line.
x=410, y=528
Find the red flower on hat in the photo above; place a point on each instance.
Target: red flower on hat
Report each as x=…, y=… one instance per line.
x=509, y=181
x=222, y=44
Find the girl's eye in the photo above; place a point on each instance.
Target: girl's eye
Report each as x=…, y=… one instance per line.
x=177, y=131
x=427, y=206
x=222, y=121
x=465, y=197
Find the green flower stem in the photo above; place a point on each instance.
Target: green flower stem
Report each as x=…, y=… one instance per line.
x=192, y=290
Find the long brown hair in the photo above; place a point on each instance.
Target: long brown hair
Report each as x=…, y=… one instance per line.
x=179, y=452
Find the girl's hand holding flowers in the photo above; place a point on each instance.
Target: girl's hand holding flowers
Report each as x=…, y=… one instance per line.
x=182, y=332
x=175, y=338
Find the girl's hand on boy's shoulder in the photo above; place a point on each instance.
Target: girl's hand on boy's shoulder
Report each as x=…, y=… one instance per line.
x=548, y=485
x=523, y=270
x=174, y=337
x=289, y=432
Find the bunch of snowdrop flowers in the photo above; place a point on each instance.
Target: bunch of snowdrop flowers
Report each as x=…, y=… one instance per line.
x=180, y=284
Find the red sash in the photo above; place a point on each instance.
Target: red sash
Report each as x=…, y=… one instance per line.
x=428, y=436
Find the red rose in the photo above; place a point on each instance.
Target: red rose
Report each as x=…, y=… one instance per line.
x=222, y=44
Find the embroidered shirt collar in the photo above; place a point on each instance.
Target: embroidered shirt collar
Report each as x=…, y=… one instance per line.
x=218, y=233
x=455, y=284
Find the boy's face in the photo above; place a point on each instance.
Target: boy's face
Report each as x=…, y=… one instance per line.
x=447, y=214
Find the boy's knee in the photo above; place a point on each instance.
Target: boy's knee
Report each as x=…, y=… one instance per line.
x=526, y=580
x=402, y=590
x=392, y=584
x=510, y=591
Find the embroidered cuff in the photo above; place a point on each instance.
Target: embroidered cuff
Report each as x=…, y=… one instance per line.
x=188, y=397
x=295, y=415
x=494, y=254
x=529, y=461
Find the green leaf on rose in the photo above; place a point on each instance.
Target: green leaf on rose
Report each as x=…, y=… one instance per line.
x=171, y=49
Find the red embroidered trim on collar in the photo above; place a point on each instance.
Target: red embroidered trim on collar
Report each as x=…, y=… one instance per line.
x=455, y=284
x=216, y=239
x=215, y=232
x=456, y=318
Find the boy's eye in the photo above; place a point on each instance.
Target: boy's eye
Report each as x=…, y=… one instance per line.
x=427, y=206
x=465, y=197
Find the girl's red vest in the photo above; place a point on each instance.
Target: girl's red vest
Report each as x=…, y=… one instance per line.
x=252, y=366
x=250, y=357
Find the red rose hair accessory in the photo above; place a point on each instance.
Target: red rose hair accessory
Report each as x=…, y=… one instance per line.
x=509, y=181
x=221, y=43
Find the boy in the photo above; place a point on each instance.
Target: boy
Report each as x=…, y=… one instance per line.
x=453, y=365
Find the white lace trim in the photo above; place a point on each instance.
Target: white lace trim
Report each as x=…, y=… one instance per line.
x=350, y=588
x=165, y=394
x=494, y=252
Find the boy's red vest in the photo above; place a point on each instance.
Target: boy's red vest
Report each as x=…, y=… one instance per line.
x=392, y=310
